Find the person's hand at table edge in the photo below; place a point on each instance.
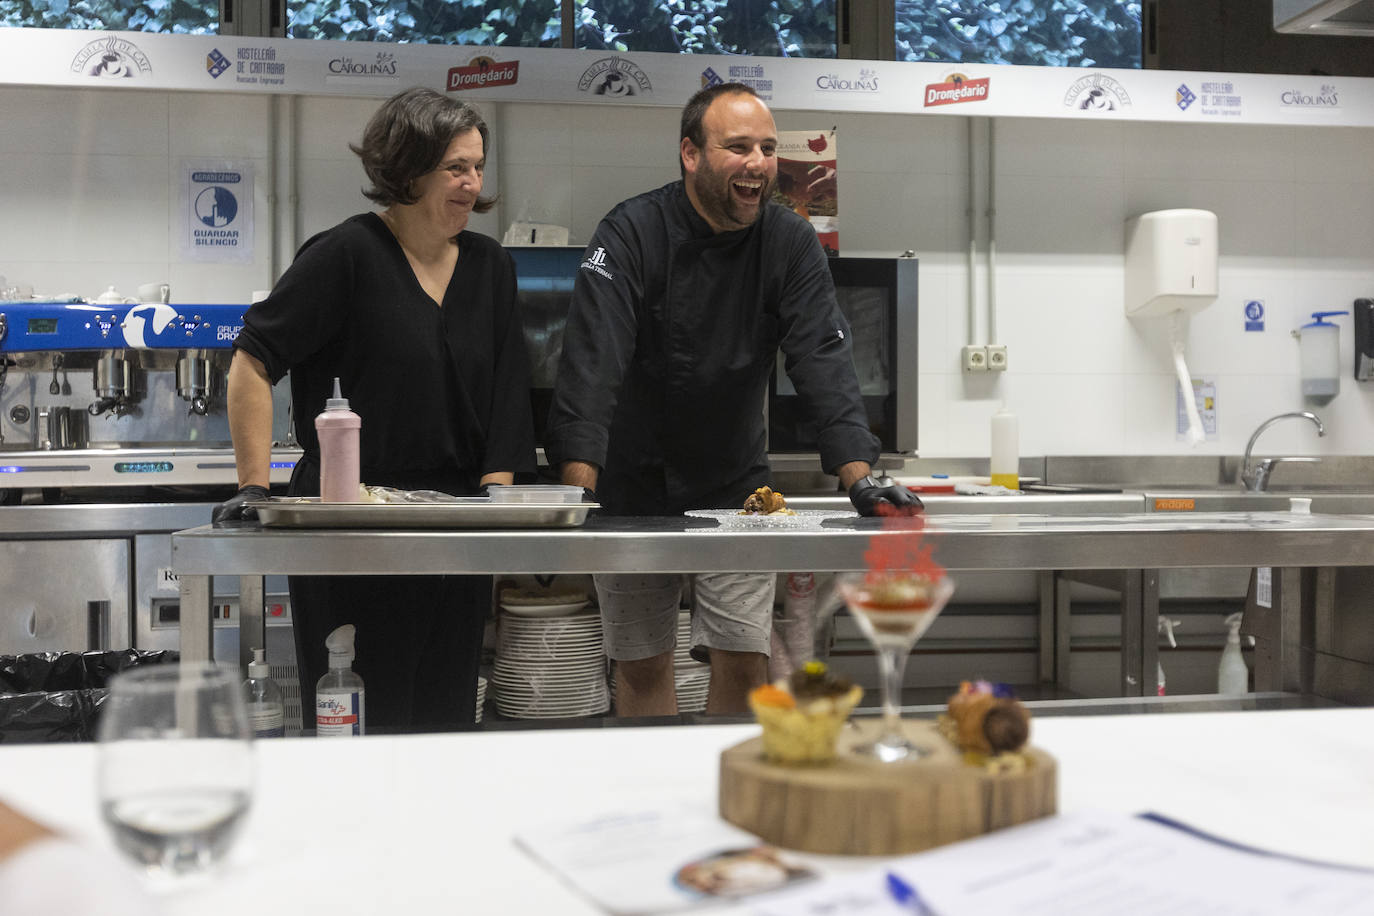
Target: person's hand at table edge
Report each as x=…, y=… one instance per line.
x=235, y=508
x=883, y=496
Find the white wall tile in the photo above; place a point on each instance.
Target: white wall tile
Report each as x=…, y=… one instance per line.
x=636, y=137
x=1061, y=216
x=598, y=188
x=76, y=122
x=1209, y=151
x=536, y=134
x=1051, y=148
x=1334, y=220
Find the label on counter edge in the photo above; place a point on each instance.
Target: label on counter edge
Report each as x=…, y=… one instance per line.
x=1175, y=504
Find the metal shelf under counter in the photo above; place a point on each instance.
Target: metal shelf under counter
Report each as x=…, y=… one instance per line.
x=1127, y=548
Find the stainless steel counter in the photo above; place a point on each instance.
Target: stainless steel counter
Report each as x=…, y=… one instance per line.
x=1134, y=546
x=99, y=519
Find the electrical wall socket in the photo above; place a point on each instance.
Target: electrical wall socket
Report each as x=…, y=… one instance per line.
x=974, y=359
x=997, y=358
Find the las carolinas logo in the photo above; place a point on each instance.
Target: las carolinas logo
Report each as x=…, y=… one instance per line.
x=1326, y=97
x=1097, y=92
x=482, y=73
x=111, y=58
x=614, y=76
x=955, y=89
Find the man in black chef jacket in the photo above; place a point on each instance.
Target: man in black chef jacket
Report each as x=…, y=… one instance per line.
x=681, y=304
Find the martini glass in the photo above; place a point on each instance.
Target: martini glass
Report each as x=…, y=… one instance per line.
x=893, y=610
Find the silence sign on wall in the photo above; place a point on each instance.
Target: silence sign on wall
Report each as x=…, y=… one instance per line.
x=217, y=211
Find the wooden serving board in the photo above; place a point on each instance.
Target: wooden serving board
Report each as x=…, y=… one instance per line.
x=859, y=806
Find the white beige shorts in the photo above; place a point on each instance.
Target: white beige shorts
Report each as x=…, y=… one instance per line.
x=731, y=611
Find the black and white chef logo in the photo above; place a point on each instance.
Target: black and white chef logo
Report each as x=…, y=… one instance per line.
x=1324, y=97
x=615, y=76
x=596, y=263
x=111, y=58
x=1097, y=92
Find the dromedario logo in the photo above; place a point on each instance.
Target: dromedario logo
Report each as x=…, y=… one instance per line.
x=483, y=72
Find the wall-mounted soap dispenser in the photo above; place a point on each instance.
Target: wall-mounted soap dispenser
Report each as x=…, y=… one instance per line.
x=1364, y=340
x=1319, y=355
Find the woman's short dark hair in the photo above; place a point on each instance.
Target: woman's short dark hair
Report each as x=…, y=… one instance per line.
x=407, y=138
x=694, y=112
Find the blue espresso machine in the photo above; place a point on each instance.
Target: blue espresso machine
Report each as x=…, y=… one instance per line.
x=121, y=394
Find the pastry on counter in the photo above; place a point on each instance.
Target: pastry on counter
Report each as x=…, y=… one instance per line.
x=802, y=714
x=766, y=501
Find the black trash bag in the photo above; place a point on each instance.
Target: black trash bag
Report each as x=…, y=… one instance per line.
x=56, y=696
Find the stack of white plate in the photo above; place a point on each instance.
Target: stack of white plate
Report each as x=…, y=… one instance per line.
x=550, y=667
x=481, y=696
x=692, y=678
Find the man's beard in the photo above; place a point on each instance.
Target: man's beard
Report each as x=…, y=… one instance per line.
x=713, y=190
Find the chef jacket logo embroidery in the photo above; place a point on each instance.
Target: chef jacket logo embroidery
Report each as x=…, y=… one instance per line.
x=1097, y=92
x=615, y=76
x=597, y=264
x=111, y=58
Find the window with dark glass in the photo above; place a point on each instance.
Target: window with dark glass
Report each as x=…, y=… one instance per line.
x=188, y=18
x=498, y=23
x=1044, y=33
x=764, y=28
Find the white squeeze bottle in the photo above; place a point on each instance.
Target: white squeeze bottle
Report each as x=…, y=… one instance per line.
x=1005, y=461
x=266, y=709
x=1233, y=676
x=339, y=430
x=339, y=695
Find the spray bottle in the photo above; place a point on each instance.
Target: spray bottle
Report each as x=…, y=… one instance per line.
x=339, y=695
x=1166, y=628
x=266, y=710
x=1233, y=676
x=339, y=430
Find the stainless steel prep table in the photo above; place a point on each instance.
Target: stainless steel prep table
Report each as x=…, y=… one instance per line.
x=1137, y=544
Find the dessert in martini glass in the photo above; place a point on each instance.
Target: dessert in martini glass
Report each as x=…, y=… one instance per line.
x=893, y=608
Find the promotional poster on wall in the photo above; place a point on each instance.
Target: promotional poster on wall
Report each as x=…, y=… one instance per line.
x=807, y=163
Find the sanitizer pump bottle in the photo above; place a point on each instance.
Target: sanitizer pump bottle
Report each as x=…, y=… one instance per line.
x=339, y=430
x=339, y=695
x=1233, y=677
x=1166, y=628
x=266, y=710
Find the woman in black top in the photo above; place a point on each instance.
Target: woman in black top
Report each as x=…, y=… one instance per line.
x=418, y=318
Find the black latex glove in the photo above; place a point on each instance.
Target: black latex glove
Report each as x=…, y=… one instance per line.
x=233, y=508
x=883, y=496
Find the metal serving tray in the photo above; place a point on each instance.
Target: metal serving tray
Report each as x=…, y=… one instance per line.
x=309, y=512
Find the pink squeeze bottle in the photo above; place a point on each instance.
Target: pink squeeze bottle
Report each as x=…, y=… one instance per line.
x=338, y=429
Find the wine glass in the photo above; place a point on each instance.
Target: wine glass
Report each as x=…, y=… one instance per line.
x=176, y=767
x=893, y=610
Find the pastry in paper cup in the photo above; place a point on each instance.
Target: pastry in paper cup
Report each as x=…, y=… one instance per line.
x=802, y=715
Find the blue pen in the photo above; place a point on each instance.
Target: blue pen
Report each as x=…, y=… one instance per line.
x=907, y=896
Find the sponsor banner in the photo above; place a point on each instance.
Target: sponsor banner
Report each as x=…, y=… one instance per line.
x=217, y=211
x=137, y=60
x=808, y=163
x=752, y=75
x=615, y=77
x=956, y=88
x=1097, y=93
x=482, y=72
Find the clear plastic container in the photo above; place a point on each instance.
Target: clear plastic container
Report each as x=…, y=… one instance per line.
x=542, y=494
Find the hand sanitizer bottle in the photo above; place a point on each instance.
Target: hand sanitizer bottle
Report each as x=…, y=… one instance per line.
x=339, y=430
x=266, y=710
x=339, y=695
x=1004, y=466
x=1233, y=676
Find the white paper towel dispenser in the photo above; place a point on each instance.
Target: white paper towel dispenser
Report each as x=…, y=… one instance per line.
x=1171, y=262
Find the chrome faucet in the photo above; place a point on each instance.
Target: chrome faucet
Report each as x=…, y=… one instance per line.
x=1256, y=477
